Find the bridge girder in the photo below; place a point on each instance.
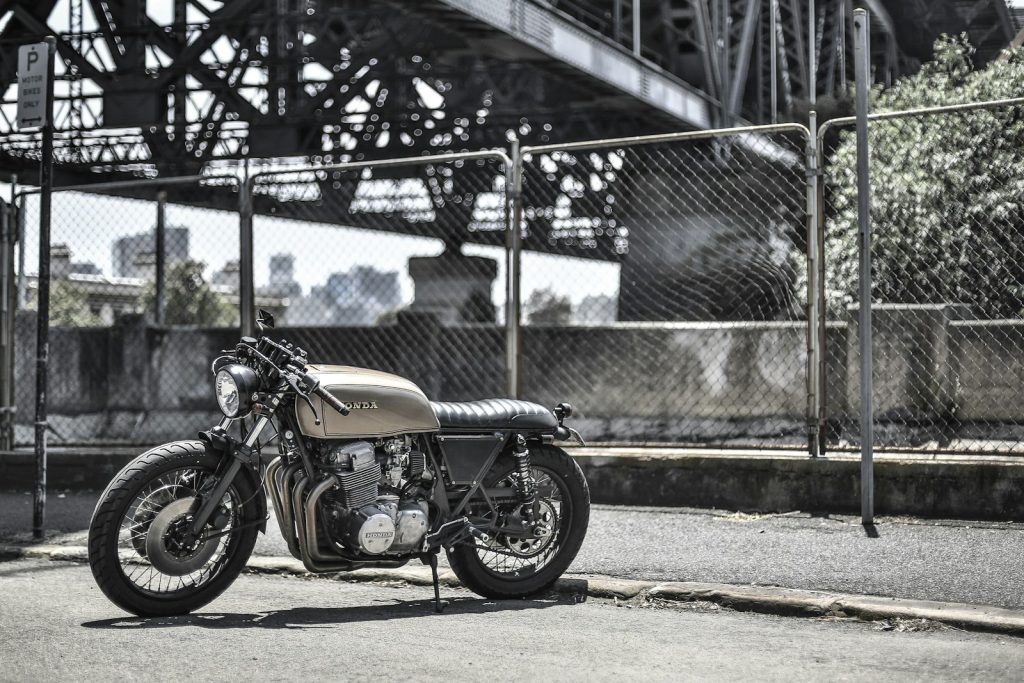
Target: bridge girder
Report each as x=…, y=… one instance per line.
x=207, y=82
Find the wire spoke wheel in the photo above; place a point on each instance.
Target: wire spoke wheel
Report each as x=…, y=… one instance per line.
x=152, y=552
x=140, y=550
x=526, y=553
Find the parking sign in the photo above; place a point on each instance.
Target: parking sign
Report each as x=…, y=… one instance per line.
x=33, y=77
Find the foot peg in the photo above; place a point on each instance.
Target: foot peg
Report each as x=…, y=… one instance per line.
x=450, y=533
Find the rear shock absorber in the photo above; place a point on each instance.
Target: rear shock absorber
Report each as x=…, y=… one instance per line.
x=525, y=484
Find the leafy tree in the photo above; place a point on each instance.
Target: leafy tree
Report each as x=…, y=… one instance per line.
x=188, y=299
x=69, y=306
x=947, y=191
x=545, y=307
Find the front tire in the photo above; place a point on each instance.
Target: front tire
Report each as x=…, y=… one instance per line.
x=132, y=549
x=517, y=569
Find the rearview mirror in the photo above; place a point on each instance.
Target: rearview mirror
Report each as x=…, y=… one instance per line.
x=264, y=320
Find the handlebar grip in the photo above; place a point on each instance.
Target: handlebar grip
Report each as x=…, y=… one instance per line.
x=330, y=400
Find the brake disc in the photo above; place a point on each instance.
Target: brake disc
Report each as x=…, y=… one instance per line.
x=165, y=550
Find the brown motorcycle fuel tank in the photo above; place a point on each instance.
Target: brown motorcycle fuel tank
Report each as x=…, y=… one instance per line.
x=380, y=404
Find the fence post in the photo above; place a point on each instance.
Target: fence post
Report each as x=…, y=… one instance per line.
x=22, y=278
x=513, y=242
x=8, y=222
x=819, y=294
x=862, y=56
x=161, y=255
x=246, y=285
x=814, y=312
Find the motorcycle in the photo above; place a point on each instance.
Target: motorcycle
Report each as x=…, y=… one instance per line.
x=367, y=473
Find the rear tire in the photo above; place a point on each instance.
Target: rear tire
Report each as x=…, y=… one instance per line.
x=476, y=575
x=107, y=542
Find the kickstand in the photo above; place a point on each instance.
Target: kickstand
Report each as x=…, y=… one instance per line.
x=438, y=605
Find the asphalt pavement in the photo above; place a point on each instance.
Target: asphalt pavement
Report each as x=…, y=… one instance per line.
x=56, y=625
x=947, y=561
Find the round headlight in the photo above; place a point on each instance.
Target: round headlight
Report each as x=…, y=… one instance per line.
x=233, y=387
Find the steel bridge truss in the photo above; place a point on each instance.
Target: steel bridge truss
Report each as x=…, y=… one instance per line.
x=178, y=87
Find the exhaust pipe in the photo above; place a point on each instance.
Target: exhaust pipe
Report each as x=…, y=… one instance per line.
x=296, y=517
x=277, y=481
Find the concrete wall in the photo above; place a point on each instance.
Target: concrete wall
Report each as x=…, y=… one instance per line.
x=990, y=355
x=673, y=382
x=731, y=383
x=939, y=377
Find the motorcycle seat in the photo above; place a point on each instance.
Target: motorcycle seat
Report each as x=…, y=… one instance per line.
x=494, y=413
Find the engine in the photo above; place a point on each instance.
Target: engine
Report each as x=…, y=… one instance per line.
x=378, y=506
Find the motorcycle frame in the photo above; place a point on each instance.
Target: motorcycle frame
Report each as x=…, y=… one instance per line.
x=298, y=520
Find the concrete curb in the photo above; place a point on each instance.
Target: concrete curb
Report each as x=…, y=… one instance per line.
x=762, y=599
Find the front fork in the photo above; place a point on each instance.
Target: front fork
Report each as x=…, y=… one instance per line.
x=241, y=453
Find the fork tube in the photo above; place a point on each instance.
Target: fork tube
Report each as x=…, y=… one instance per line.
x=213, y=500
x=256, y=430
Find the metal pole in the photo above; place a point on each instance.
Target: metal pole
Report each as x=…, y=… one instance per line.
x=246, y=285
x=636, y=27
x=819, y=294
x=842, y=45
x=22, y=278
x=512, y=296
x=617, y=20
x=43, y=297
x=814, y=347
x=725, y=44
x=774, y=57
x=814, y=312
x=161, y=256
x=8, y=301
x=812, y=44
x=862, y=67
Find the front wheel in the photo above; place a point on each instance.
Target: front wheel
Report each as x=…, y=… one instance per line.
x=138, y=551
x=510, y=567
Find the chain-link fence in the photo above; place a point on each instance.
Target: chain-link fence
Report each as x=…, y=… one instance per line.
x=129, y=262
x=947, y=282
x=663, y=283
x=660, y=284
x=397, y=265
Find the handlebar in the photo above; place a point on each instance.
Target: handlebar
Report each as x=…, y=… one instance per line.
x=330, y=400
x=292, y=362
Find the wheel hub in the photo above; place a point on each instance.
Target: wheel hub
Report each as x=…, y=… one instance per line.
x=546, y=522
x=166, y=547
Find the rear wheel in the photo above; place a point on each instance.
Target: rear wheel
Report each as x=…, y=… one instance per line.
x=512, y=567
x=138, y=549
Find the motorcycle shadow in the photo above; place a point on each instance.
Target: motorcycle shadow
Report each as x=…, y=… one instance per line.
x=320, y=617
